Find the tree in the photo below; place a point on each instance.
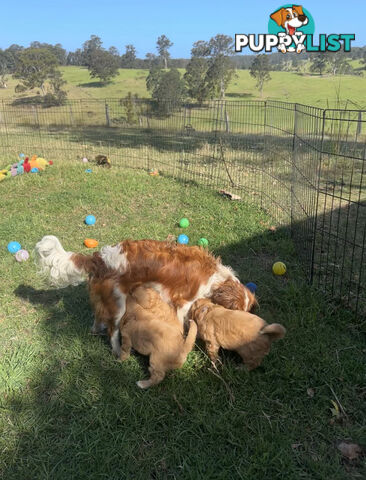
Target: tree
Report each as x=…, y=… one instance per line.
x=162, y=45
x=167, y=89
x=318, y=63
x=210, y=68
x=56, y=50
x=33, y=67
x=75, y=58
x=151, y=59
x=103, y=65
x=195, y=78
x=94, y=44
x=128, y=59
x=339, y=64
x=57, y=96
x=260, y=71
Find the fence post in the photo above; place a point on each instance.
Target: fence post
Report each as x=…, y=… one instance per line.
x=227, y=121
x=293, y=170
x=107, y=114
x=315, y=225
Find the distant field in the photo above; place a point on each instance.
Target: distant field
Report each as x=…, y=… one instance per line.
x=287, y=86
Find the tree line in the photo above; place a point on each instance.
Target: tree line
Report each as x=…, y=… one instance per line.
x=208, y=72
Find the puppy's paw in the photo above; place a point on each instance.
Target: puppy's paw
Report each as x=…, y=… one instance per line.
x=124, y=356
x=143, y=384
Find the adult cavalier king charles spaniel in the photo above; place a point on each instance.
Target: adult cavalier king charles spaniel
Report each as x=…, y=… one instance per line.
x=181, y=274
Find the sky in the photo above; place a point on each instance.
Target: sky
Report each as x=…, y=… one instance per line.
x=140, y=22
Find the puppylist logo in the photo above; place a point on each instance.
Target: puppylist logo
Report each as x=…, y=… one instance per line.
x=291, y=29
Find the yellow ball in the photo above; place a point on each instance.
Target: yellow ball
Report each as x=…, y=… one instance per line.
x=279, y=268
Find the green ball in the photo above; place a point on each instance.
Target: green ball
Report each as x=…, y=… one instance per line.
x=184, y=223
x=203, y=242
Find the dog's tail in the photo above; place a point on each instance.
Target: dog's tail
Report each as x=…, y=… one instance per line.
x=275, y=331
x=62, y=268
x=189, y=341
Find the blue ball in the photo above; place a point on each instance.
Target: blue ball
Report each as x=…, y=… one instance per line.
x=13, y=247
x=21, y=155
x=88, y=170
x=90, y=219
x=34, y=170
x=251, y=286
x=183, y=239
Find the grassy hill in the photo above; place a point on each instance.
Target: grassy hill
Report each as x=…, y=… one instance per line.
x=309, y=89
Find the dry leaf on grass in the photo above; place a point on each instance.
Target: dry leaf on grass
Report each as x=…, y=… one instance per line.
x=310, y=392
x=350, y=450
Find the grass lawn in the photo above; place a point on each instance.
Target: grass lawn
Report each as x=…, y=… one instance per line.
x=320, y=91
x=69, y=410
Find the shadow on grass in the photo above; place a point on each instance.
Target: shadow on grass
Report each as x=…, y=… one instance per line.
x=94, y=84
x=82, y=416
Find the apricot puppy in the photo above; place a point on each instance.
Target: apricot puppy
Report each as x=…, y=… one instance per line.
x=151, y=327
x=243, y=332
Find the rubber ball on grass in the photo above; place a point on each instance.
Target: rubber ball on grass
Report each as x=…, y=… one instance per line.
x=279, y=268
x=203, y=242
x=251, y=286
x=90, y=220
x=21, y=256
x=184, y=223
x=183, y=239
x=13, y=247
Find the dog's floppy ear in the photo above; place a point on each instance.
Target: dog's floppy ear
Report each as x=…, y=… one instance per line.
x=275, y=331
x=298, y=9
x=278, y=16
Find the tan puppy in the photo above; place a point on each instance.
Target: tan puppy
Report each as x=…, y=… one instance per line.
x=151, y=327
x=243, y=332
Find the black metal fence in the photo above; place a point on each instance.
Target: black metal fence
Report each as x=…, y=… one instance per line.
x=304, y=165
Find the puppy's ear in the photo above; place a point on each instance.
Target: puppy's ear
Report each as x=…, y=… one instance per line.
x=144, y=296
x=275, y=331
x=298, y=9
x=278, y=16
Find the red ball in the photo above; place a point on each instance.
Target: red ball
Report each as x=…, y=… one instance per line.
x=50, y=162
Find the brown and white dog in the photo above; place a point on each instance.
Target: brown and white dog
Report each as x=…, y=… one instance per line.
x=247, y=334
x=290, y=19
x=151, y=327
x=180, y=273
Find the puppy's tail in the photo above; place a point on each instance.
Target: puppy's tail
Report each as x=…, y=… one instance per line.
x=275, y=331
x=62, y=268
x=189, y=341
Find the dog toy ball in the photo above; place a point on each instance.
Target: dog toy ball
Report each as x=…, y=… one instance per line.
x=183, y=239
x=91, y=243
x=13, y=171
x=203, y=242
x=13, y=247
x=50, y=162
x=154, y=172
x=21, y=155
x=279, y=268
x=251, y=286
x=90, y=219
x=21, y=256
x=88, y=170
x=184, y=223
x=85, y=160
x=34, y=170
x=20, y=169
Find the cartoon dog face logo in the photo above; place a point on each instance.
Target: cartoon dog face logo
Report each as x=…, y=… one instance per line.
x=290, y=19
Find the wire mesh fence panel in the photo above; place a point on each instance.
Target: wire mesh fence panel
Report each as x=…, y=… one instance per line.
x=339, y=256
x=304, y=166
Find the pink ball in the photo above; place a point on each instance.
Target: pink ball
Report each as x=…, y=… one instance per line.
x=85, y=160
x=21, y=255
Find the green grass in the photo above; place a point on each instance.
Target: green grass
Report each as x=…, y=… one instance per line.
x=68, y=409
x=320, y=91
